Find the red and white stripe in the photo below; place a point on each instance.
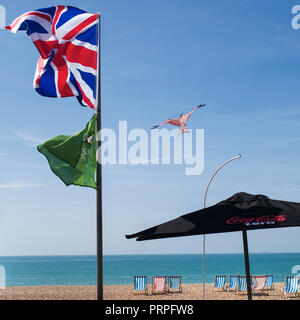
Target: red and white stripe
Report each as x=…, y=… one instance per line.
x=76, y=26
x=159, y=283
x=43, y=19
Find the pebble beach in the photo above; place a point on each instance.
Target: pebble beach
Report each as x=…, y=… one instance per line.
x=125, y=292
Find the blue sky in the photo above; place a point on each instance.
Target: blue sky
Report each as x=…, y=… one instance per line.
x=159, y=59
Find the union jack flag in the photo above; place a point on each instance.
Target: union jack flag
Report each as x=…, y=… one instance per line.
x=67, y=40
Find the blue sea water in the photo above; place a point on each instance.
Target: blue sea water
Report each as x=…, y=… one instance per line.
x=119, y=269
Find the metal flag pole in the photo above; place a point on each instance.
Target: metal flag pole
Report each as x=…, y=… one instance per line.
x=204, y=206
x=99, y=175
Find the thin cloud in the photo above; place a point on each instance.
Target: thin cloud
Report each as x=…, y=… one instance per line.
x=20, y=185
x=33, y=141
x=23, y=164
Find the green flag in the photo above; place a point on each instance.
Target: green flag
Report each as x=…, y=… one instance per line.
x=73, y=158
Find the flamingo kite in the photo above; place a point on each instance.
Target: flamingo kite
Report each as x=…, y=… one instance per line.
x=181, y=121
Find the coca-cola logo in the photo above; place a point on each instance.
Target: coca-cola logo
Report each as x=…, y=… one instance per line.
x=257, y=221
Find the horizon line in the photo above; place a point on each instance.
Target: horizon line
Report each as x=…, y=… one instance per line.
x=145, y=254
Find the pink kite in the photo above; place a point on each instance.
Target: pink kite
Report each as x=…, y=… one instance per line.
x=181, y=121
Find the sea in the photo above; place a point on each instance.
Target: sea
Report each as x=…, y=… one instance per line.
x=120, y=269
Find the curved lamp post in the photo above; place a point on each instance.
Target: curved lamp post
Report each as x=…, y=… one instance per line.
x=204, y=205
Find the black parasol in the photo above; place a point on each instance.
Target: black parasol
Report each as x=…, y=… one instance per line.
x=241, y=212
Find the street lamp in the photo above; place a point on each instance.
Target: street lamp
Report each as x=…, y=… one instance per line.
x=204, y=205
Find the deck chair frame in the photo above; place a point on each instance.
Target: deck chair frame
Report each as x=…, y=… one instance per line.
x=267, y=287
x=237, y=290
x=140, y=291
x=288, y=294
x=228, y=284
x=173, y=290
x=224, y=285
x=261, y=280
x=160, y=290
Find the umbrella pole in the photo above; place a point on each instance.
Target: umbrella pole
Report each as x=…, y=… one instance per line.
x=247, y=265
x=204, y=206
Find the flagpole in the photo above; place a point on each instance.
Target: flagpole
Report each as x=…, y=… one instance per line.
x=204, y=206
x=99, y=175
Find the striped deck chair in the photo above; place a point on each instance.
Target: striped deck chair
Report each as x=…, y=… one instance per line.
x=232, y=283
x=140, y=284
x=269, y=283
x=241, y=284
x=219, y=282
x=174, y=284
x=158, y=284
x=258, y=283
x=291, y=286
